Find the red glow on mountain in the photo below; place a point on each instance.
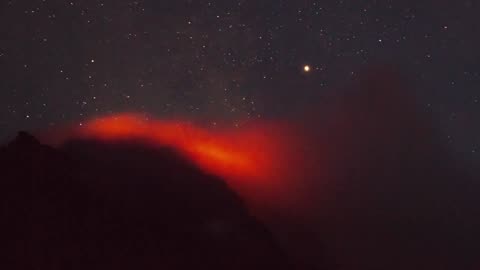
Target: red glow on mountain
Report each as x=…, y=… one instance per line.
x=247, y=154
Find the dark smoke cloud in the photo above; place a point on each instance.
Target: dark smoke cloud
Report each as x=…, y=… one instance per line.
x=383, y=191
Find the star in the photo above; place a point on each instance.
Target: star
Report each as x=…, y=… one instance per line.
x=306, y=68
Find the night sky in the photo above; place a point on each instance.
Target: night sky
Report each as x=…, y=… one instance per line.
x=231, y=61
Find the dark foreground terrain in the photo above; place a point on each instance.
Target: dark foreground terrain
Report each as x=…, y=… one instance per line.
x=121, y=206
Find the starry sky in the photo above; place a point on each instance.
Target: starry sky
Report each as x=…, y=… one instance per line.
x=231, y=61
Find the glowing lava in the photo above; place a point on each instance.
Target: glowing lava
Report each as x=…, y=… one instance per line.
x=234, y=155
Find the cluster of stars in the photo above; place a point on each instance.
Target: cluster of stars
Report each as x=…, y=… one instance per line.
x=227, y=60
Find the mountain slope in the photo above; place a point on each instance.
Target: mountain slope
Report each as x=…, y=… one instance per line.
x=90, y=205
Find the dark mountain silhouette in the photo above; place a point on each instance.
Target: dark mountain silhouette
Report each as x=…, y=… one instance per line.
x=91, y=205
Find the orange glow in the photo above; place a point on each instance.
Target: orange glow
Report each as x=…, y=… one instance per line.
x=240, y=154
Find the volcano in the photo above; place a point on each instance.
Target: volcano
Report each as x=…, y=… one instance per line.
x=93, y=204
